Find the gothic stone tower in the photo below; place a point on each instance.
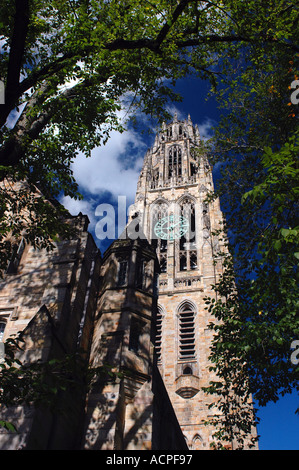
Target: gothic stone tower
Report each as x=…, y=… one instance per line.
x=170, y=204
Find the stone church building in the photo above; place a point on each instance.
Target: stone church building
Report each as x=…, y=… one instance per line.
x=138, y=308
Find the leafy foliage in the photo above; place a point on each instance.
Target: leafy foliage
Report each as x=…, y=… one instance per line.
x=256, y=149
x=67, y=66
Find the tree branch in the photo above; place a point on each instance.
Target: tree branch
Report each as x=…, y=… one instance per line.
x=17, y=49
x=168, y=25
x=28, y=128
x=41, y=74
x=14, y=89
x=230, y=38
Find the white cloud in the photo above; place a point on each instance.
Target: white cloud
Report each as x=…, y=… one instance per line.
x=172, y=109
x=111, y=171
x=113, y=167
x=205, y=129
x=86, y=206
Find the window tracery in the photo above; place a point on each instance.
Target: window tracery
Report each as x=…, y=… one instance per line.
x=174, y=161
x=187, y=243
x=158, y=212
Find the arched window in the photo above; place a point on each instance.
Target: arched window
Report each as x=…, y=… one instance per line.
x=197, y=442
x=187, y=370
x=186, y=332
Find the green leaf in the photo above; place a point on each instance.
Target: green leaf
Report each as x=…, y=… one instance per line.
x=7, y=425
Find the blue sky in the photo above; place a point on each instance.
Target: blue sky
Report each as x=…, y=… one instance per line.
x=113, y=170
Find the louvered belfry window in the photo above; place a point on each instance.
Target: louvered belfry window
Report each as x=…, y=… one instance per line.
x=186, y=332
x=158, y=339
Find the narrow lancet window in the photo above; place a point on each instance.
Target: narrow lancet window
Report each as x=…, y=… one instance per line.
x=159, y=212
x=175, y=161
x=186, y=332
x=158, y=337
x=122, y=273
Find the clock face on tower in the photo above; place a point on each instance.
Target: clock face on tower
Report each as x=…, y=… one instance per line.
x=171, y=227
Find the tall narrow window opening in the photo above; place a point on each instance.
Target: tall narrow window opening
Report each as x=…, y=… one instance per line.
x=16, y=257
x=183, y=261
x=187, y=244
x=158, y=337
x=122, y=272
x=158, y=212
x=193, y=169
x=175, y=161
x=186, y=332
x=2, y=328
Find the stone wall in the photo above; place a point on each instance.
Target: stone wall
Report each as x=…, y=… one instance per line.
x=50, y=301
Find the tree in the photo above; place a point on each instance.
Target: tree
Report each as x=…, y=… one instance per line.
x=256, y=146
x=66, y=66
